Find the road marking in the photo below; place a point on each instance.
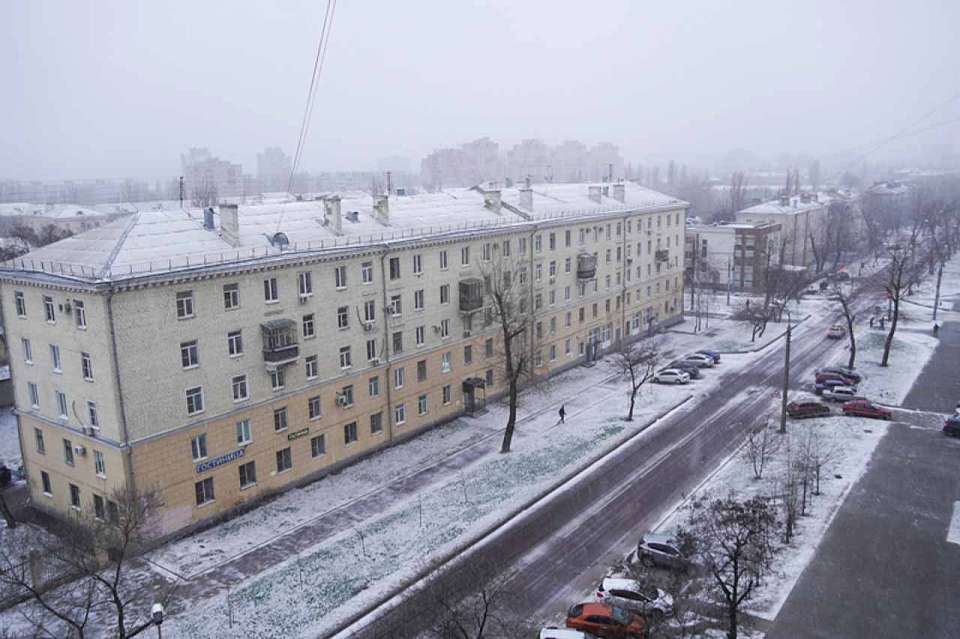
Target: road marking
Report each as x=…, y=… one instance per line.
x=953, y=532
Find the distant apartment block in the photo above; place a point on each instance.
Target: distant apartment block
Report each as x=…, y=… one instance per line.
x=731, y=256
x=221, y=357
x=802, y=220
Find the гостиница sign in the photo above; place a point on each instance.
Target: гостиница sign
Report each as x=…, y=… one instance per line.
x=220, y=461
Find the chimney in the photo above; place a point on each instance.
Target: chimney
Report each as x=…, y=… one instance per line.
x=491, y=200
x=620, y=192
x=784, y=200
x=230, y=224
x=593, y=191
x=381, y=207
x=526, y=197
x=331, y=214
x=208, y=218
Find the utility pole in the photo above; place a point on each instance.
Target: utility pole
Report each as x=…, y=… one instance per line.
x=729, y=280
x=181, y=191
x=936, y=299
x=389, y=185
x=786, y=376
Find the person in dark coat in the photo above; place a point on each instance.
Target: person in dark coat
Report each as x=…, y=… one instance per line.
x=563, y=413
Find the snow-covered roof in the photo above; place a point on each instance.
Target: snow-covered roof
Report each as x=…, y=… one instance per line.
x=55, y=211
x=793, y=205
x=153, y=241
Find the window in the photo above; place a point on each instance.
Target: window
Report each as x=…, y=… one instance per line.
x=345, y=360
x=248, y=474
x=34, y=394
x=231, y=296
x=552, y=268
x=38, y=438
x=465, y=256
x=396, y=305
x=318, y=446
x=506, y=248
x=75, y=496
x=45, y=482
x=394, y=268
x=309, y=328
x=422, y=370
x=523, y=245
x=369, y=311
x=538, y=243
x=194, y=400
x=79, y=314
x=566, y=238
x=553, y=241
x=553, y=352
x=92, y=414
x=244, y=436
x=467, y=354
x=239, y=384
x=444, y=293
x=366, y=272
x=198, y=446
x=418, y=300
x=311, y=366
x=486, y=252
x=204, y=491
x=399, y=377
x=489, y=377
x=417, y=264
x=373, y=386
x=566, y=347
x=99, y=464
x=305, y=283
x=340, y=277
x=184, y=305
x=55, y=358
x=446, y=394
x=398, y=342
x=280, y=419
x=62, y=405
x=488, y=347
x=21, y=304
x=443, y=260
x=48, y=312
x=343, y=317
x=420, y=333
x=399, y=414
x=445, y=362
x=376, y=423
x=422, y=405
x=349, y=433
x=444, y=328
x=371, y=350
x=538, y=272
x=86, y=366
x=234, y=343
x=346, y=396
x=189, y=354
x=27, y=350
x=278, y=379
x=271, y=293
x=313, y=407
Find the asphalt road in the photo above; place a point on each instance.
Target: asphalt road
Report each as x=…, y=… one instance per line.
x=561, y=549
x=937, y=387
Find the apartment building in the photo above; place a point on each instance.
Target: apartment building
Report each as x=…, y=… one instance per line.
x=802, y=219
x=731, y=256
x=217, y=357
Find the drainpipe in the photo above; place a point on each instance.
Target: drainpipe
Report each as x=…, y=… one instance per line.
x=127, y=450
x=386, y=341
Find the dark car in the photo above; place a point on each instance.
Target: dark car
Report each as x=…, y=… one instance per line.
x=853, y=376
x=830, y=383
x=689, y=368
x=829, y=376
x=713, y=354
x=952, y=426
x=866, y=408
x=803, y=410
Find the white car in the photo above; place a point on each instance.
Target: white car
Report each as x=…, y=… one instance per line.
x=701, y=360
x=671, y=376
x=840, y=394
x=629, y=594
x=553, y=632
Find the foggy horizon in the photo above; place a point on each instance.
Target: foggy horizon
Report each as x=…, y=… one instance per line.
x=113, y=89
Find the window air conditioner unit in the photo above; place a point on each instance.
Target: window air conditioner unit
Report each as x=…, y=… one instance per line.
x=80, y=450
x=375, y=360
x=368, y=326
x=466, y=333
x=67, y=308
x=341, y=399
x=304, y=298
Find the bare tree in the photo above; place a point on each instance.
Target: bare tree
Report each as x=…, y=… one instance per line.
x=738, y=191
x=820, y=452
x=734, y=541
x=762, y=444
x=902, y=274
x=849, y=315
x=203, y=191
x=78, y=578
x=637, y=362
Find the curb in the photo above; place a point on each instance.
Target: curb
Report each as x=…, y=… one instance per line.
x=440, y=563
x=760, y=348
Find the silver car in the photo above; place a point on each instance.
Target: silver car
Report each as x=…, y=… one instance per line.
x=629, y=594
x=658, y=549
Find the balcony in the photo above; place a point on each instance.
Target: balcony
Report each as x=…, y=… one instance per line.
x=471, y=294
x=586, y=266
x=662, y=255
x=279, y=343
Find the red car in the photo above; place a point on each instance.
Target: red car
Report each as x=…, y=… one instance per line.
x=605, y=621
x=866, y=408
x=800, y=410
x=832, y=377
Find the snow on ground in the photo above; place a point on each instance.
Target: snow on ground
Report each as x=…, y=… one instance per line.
x=925, y=293
x=9, y=440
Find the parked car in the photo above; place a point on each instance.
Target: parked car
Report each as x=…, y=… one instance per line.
x=630, y=595
x=846, y=373
x=689, y=368
x=823, y=377
x=610, y=622
x=830, y=383
x=658, y=549
x=802, y=410
x=843, y=276
x=952, y=426
x=703, y=361
x=713, y=354
x=865, y=408
x=553, y=632
x=837, y=331
x=841, y=394
x=671, y=376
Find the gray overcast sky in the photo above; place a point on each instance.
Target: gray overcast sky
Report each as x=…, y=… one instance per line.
x=98, y=88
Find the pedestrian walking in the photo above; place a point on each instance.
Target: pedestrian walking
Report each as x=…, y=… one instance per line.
x=563, y=413
x=936, y=329
x=871, y=321
x=882, y=318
